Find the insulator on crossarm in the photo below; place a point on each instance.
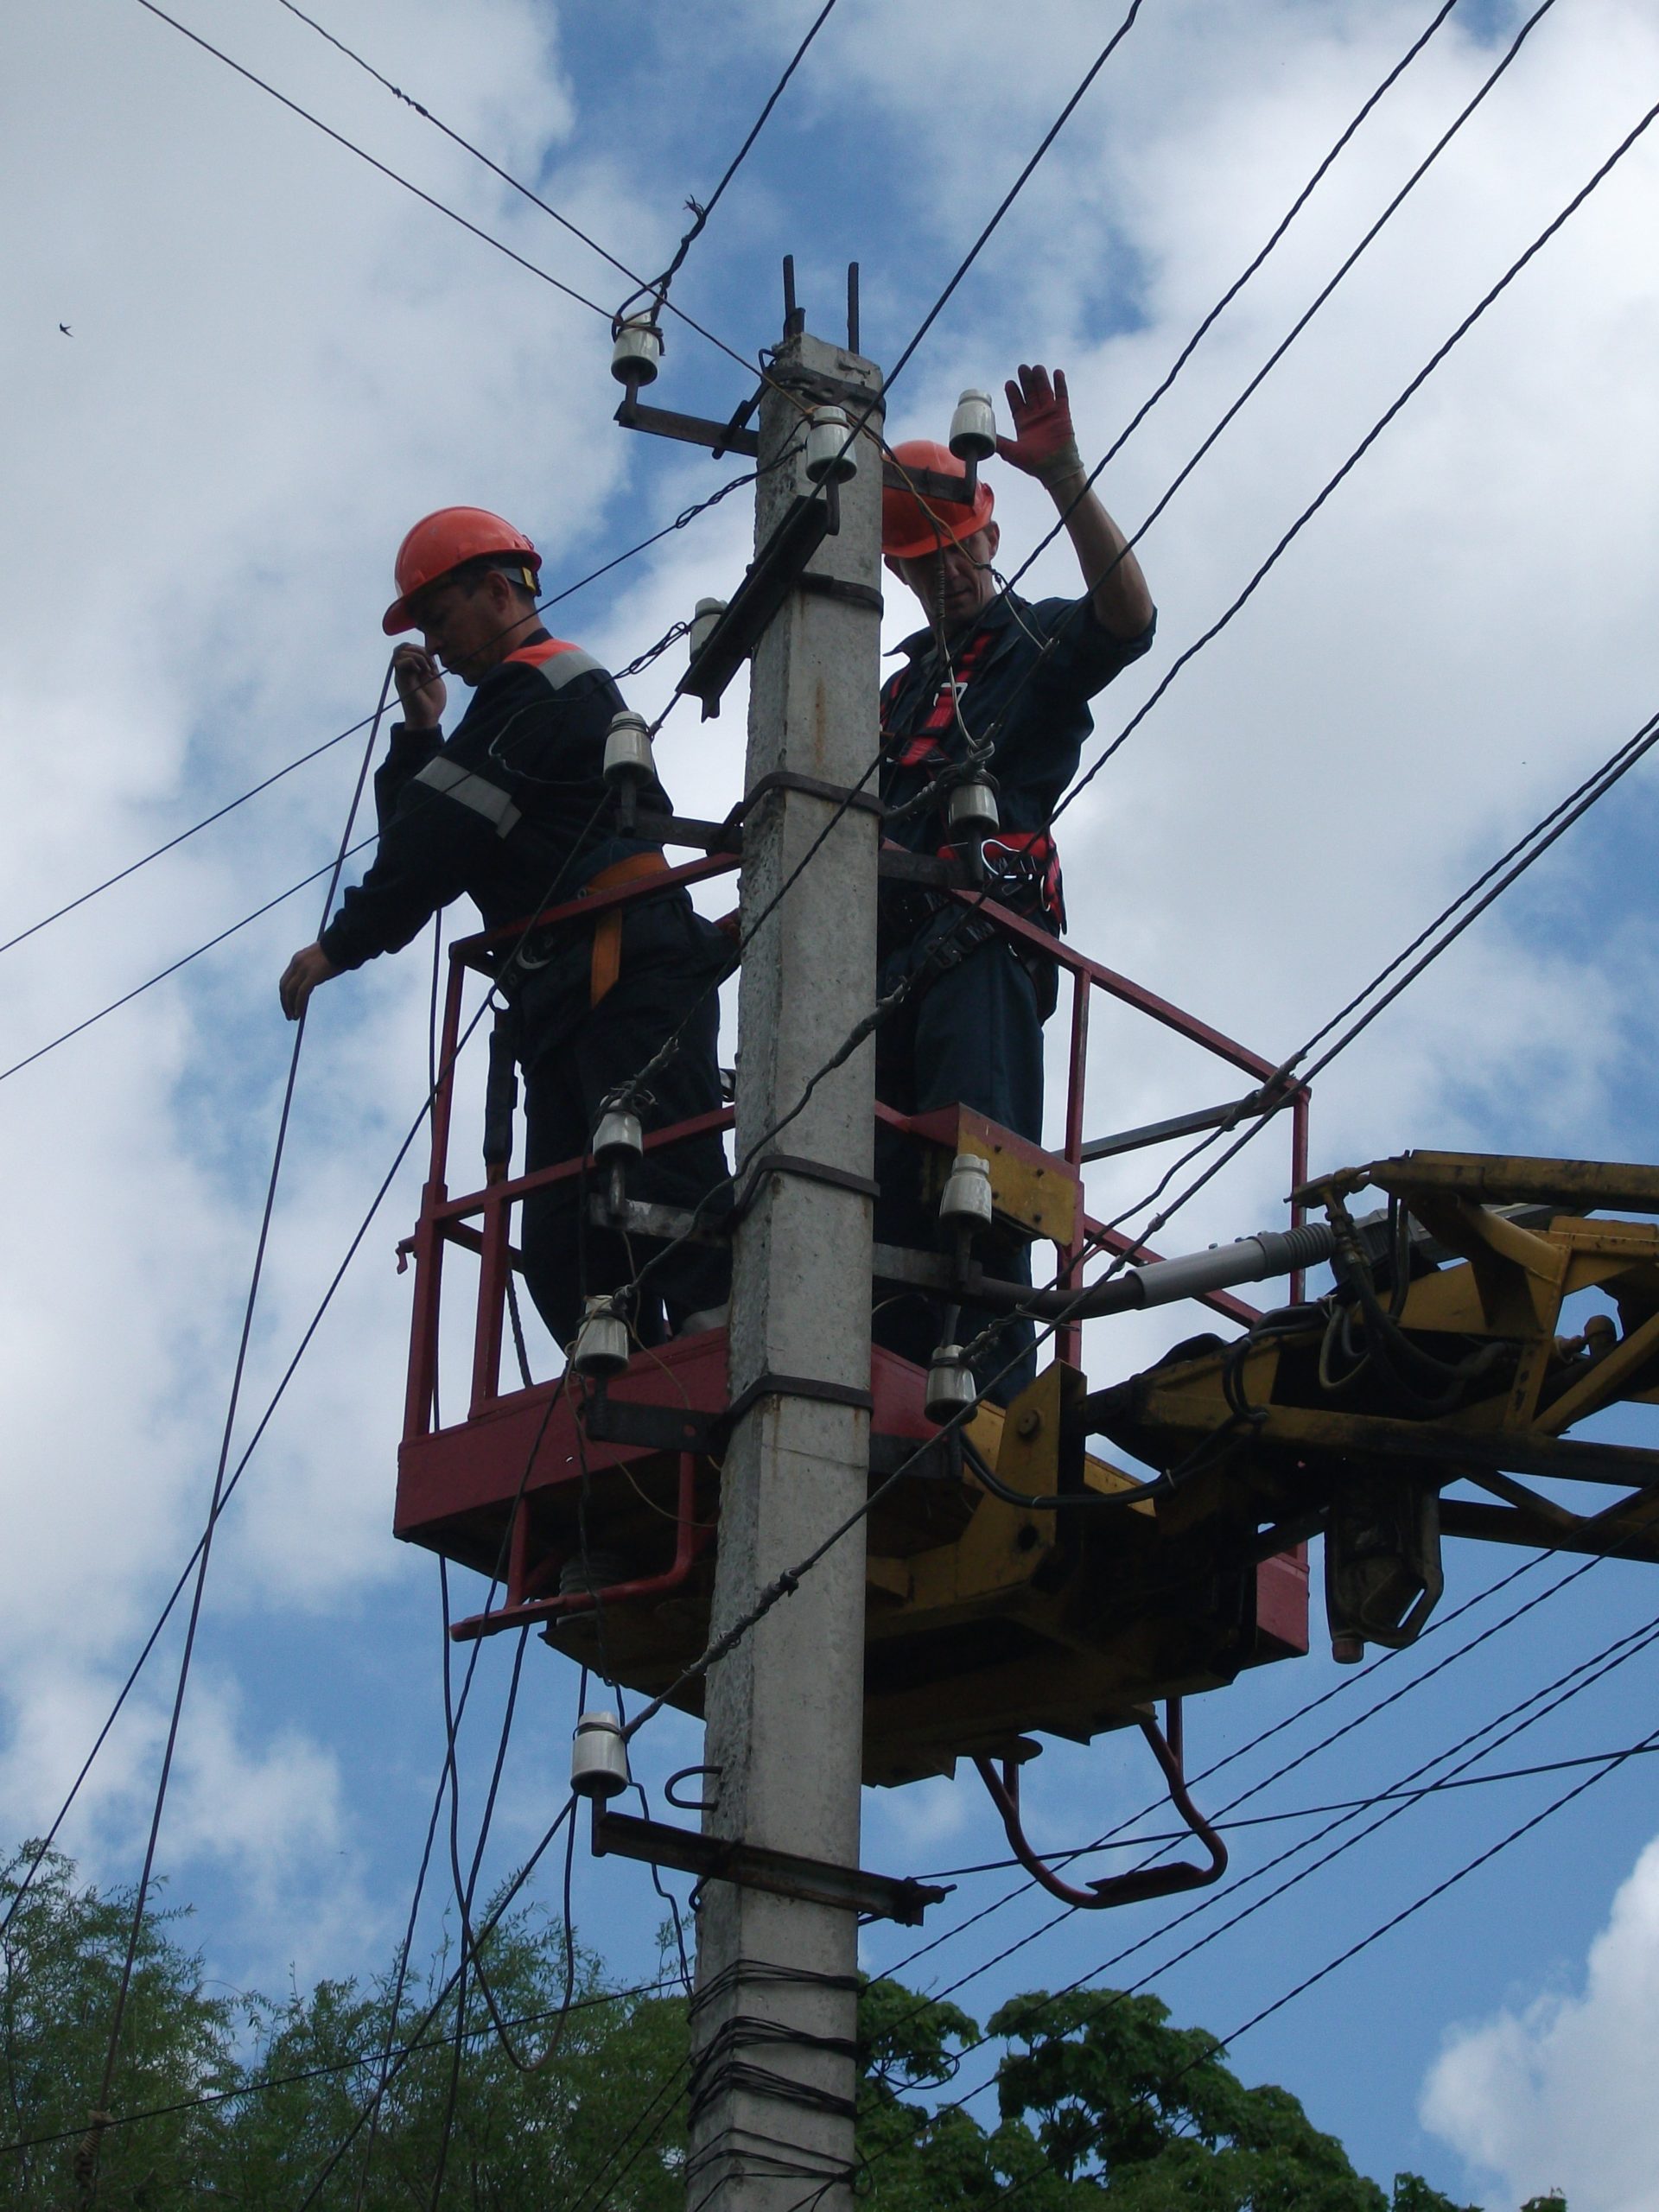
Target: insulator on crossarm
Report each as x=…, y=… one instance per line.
x=973, y=427
x=967, y=1203
x=708, y=614
x=971, y=812
x=628, y=756
x=830, y=456
x=630, y=766
x=637, y=353
x=950, y=1385
x=599, y=1758
x=619, y=1137
x=602, y=1345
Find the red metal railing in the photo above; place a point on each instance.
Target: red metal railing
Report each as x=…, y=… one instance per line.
x=480, y=1220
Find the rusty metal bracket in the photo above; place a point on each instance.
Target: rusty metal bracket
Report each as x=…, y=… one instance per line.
x=754, y=1866
x=1145, y=1882
x=786, y=779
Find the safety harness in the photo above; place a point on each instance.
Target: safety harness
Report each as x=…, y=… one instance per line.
x=560, y=663
x=1023, y=866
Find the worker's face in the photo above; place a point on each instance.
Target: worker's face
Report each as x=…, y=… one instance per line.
x=467, y=626
x=954, y=583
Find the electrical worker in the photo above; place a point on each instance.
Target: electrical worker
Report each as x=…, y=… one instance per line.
x=996, y=680
x=513, y=810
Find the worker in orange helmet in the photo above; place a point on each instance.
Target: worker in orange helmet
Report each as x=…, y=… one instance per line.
x=512, y=810
x=998, y=684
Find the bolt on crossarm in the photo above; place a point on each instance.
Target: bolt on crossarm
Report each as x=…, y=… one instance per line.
x=773, y=2017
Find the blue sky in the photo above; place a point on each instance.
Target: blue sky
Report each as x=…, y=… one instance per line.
x=278, y=361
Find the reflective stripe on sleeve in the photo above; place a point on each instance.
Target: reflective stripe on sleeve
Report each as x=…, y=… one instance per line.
x=469, y=790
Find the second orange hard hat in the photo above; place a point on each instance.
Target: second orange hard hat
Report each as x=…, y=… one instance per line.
x=444, y=541
x=912, y=526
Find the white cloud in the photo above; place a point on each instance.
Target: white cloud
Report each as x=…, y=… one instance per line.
x=1559, y=2093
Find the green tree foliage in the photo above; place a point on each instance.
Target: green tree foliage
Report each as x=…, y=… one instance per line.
x=284, y=2083
x=1101, y=2102
x=244, y=2102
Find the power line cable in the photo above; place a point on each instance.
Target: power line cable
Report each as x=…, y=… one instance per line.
x=119, y=2009
x=340, y=139
x=687, y=515
x=173, y=967
x=1614, y=1655
x=207, y=822
x=1359, y=451
x=1320, y=298
x=1120, y=1829
x=536, y=200
x=700, y=213
x=265, y=2085
x=1297, y=1813
x=1013, y=191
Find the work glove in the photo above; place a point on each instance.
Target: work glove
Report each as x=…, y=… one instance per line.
x=1044, y=443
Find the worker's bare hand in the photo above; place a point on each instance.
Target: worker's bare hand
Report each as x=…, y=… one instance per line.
x=309, y=968
x=420, y=687
x=1044, y=443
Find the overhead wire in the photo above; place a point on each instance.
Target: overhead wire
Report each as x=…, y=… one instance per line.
x=173, y=966
x=141, y=1899
x=265, y=2085
x=1415, y=384
x=1119, y=1832
x=680, y=521
x=1013, y=191
x=642, y=284
x=1320, y=301
x=1615, y=1654
x=386, y=170
x=658, y=286
x=867, y=1027
x=1221, y=1823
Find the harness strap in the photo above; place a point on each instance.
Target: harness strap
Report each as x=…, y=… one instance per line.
x=606, y=963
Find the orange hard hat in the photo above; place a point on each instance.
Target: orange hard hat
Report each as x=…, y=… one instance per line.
x=910, y=525
x=443, y=541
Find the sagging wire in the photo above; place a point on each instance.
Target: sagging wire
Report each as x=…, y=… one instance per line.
x=1611, y=1657
x=680, y=521
x=204, y=1551
x=546, y=206
x=351, y=147
x=174, y=967
x=265, y=2085
x=290, y=1371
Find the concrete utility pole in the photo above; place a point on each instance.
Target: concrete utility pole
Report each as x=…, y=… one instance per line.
x=773, y=2078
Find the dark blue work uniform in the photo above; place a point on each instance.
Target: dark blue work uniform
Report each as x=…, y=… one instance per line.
x=971, y=1033
x=513, y=810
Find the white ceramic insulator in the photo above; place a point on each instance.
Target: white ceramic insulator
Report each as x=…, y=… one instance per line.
x=637, y=353
x=829, y=457
x=703, y=623
x=599, y=1758
x=967, y=1202
x=602, y=1345
x=971, y=810
x=618, y=1136
x=950, y=1385
x=627, y=749
x=973, y=427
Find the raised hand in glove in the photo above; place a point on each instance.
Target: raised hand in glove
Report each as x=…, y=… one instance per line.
x=1044, y=443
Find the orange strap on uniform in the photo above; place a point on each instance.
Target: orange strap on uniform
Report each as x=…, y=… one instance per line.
x=608, y=930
